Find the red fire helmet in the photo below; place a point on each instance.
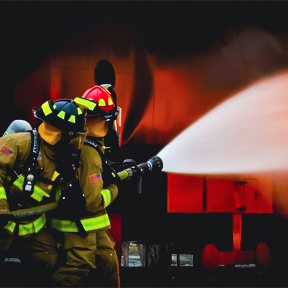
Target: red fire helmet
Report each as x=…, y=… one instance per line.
x=99, y=102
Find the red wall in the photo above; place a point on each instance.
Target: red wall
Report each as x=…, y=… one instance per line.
x=196, y=194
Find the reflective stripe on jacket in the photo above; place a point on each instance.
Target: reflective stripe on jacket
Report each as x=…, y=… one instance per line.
x=3, y=193
x=101, y=222
x=29, y=228
x=37, y=194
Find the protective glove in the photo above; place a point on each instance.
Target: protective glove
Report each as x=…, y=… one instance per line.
x=109, y=174
x=4, y=218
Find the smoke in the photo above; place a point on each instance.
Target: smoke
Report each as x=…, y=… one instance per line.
x=246, y=133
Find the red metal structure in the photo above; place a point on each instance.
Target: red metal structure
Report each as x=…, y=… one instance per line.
x=215, y=195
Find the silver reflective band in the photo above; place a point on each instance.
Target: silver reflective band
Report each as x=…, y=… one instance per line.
x=150, y=165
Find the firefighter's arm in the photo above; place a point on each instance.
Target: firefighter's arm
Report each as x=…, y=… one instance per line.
x=109, y=193
x=91, y=183
x=11, y=155
x=90, y=172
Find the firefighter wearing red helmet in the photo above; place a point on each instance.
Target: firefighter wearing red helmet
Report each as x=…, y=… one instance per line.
x=90, y=257
x=107, y=107
x=28, y=165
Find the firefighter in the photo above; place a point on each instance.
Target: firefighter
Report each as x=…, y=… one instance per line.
x=28, y=171
x=89, y=256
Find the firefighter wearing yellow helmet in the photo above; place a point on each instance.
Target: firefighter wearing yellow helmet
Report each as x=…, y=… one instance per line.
x=89, y=256
x=28, y=170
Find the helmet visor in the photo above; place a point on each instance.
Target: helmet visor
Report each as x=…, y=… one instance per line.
x=107, y=116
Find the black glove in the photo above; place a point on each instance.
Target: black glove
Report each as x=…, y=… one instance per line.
x=109, y=174
x=4, y=218
x=4, y=213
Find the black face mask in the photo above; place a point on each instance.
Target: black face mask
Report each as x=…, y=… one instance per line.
x=67, y=144
x=67, y=157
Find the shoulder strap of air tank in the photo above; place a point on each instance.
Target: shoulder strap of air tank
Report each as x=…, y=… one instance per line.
x=35, y=144
x=32, y=157
x=106, y=164
x=34, y=150
x=96, y=147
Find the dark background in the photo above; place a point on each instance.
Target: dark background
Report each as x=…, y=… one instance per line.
x=30, y=29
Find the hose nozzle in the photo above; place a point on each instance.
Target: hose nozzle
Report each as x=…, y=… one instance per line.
x=155, y=163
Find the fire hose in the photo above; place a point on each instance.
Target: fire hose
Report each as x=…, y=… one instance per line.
x=152, y=165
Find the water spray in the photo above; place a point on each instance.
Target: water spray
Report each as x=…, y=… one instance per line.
x=247, y=133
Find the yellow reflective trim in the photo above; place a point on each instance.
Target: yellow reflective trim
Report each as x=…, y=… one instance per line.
x=64, y=225
x=72, y=119
x=58, y=194
x=2, y=193
x=102, y=102
x=110, y=101
x=10, y=226
x=30, y=228
x=106, y=194
x=87, y=103
x=55, y=175
x=54, y=106
x=99, y=222
x=33, y=227
x=61, y=115
x=19, y=182
x=39, y=193
x=46, y=108
x=79, y=111
x=95, y=223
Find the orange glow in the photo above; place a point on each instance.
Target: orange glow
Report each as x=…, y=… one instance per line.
x=237, y=232
x=56, y=81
